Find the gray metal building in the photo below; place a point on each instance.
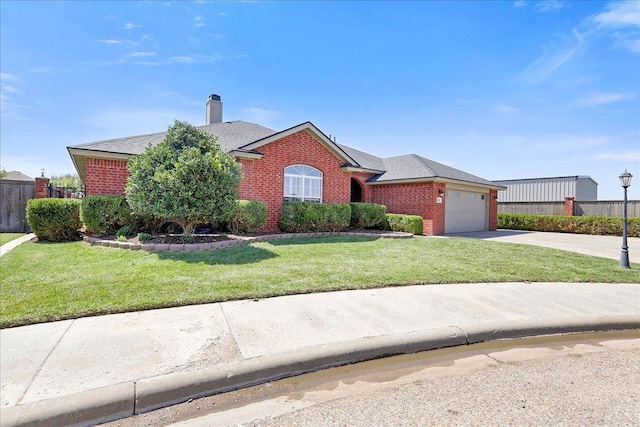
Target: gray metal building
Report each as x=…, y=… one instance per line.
x=554, y=189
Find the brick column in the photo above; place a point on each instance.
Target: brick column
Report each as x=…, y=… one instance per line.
x=42, y=188
x=568, y=206
x=493, y=210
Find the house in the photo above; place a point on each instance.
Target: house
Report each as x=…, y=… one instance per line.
x=551, y=189
x=302, y=163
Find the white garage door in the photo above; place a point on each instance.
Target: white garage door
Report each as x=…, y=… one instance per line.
x=465, y=211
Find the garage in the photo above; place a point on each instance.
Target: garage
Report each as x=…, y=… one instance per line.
x=465, y=211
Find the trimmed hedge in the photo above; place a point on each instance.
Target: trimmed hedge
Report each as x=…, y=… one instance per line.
x=366, y=215
x=105, y=214
x=300, y=217
x=406, y=223
x=248, y=215
x=569, y=224
x=55, y=220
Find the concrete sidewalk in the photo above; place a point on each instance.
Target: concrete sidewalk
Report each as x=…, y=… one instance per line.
x=587, y=244
x=101, y=368
x=15, y=243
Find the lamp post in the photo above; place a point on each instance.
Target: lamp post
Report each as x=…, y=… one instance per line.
x=625, y=181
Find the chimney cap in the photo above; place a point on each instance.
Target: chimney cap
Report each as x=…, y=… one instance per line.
x=214, y=97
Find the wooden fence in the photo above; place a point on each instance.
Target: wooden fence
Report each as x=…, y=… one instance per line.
x=611, y=208
x=13, y=205
x=532, y=208
x=608, y=208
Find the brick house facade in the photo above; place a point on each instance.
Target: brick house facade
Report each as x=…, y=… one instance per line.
x=404, y=184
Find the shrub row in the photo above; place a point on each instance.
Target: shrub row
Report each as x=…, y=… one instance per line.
x=61, y=219
x=569, y=224
x=300, y=217
x=248, y=216
x=405, y=223
x=367, y=215
x=55, y=220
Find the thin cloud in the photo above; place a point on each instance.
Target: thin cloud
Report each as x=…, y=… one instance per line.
x=506, y=109
x=260, y=115
x=626, y=156
x=520, y=3
x=129, y=26
x=110, y=41
x=11, y=89
x=9, y=78
x=222, y=14
x=139, y=54
x=549, y=6
x=621, y=22
x=595, y=99
x=44, y=69
x=199, y=22
x=552, y=58
x=619, y=14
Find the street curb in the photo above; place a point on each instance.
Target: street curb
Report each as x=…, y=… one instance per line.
x=137, y=397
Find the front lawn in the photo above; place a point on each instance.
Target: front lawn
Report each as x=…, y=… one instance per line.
x=7, y=237
x=48, y=281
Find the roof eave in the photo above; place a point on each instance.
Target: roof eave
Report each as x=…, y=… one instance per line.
x=243, y=154
x=352, y=168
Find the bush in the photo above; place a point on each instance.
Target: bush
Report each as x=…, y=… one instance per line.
x=248, y=215
x=406, y=223
x=144, y=237
x=105, y=214
x=55, y=220
x=569, y=224
x=367, y=215
x=124, y=231
x=299, y=217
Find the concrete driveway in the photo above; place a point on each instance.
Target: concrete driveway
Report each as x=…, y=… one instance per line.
x=601, y=246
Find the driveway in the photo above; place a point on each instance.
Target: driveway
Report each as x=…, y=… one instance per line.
x=601, y=246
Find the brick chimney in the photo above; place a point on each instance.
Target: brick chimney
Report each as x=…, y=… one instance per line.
x=214, y=110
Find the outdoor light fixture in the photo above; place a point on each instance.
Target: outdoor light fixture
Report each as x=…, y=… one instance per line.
x=441, y=192
x=625, y=181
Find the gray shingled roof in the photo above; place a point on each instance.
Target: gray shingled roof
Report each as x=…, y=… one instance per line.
x=236, y=134
x=412, y=166
x=231, y=135
x=17, y=176
x=365, y=160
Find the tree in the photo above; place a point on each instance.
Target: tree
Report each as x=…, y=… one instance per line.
x=66, y=180
x=186, y=179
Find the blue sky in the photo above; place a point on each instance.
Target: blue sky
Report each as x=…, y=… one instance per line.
x=502, y=90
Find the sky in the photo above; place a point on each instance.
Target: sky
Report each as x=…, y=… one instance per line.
x=502, y=90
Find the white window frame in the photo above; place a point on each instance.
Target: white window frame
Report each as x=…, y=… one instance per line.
x=307, y=176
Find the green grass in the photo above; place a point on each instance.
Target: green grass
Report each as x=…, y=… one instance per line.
x=49, y=281
x=7, y=237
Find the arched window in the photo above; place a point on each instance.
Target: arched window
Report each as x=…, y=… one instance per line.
x=302, y=183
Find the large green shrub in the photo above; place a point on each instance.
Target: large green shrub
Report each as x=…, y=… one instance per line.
x=186, y=179
x=406, y=223
x=55, y=220
x=248, y=215
x=367, y=215
x=569, y=224
x=105, y=214
x=299, y=217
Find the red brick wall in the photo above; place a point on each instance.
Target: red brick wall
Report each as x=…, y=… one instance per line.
x=42, y=188
x=413, y=199
x=569, y=206
x=493, y=210
x=264, y=179
x=106, y=176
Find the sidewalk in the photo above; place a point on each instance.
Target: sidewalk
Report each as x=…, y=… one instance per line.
x=144, y=360
x=15, y=243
